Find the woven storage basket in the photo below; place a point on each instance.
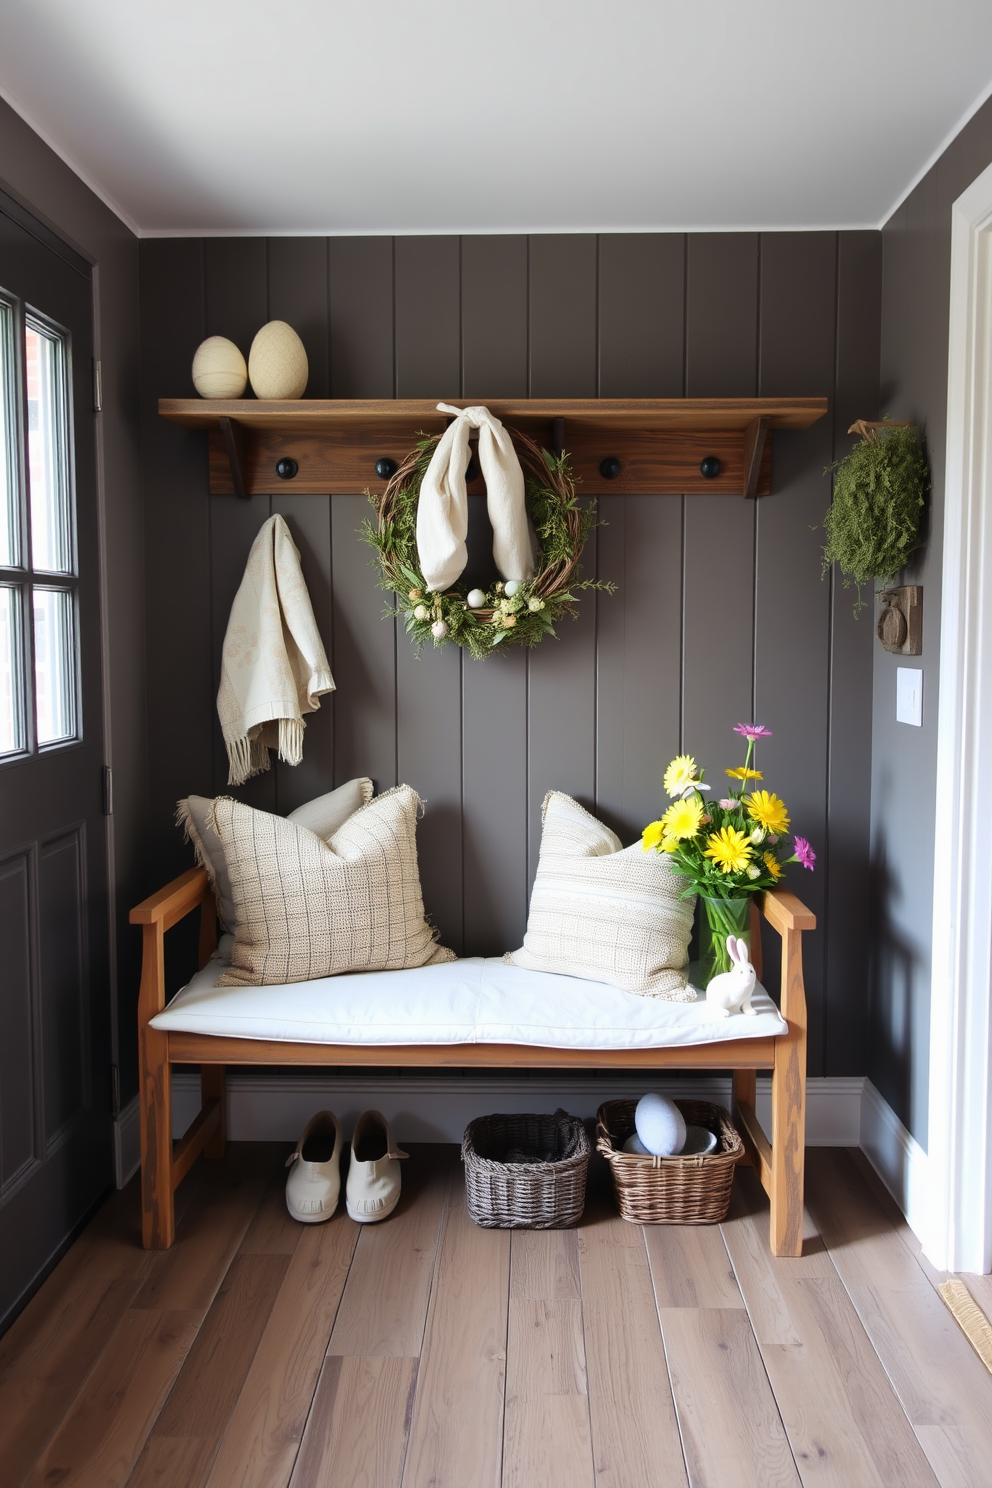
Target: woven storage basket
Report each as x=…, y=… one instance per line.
x=670, y=1190
x=526, y=1196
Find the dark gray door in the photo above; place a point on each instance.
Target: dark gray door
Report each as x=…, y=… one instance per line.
x=55, y=1107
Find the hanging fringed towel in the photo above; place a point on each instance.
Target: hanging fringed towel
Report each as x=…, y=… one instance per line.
x=273, y=666
x=442, y=512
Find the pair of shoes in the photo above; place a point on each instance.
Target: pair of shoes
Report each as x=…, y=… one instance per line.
x=372, y=1188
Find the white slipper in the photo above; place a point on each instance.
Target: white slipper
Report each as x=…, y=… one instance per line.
x=314, y=1182
x=372, y=1190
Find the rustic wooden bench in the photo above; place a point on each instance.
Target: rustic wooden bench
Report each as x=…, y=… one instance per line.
x=779, y=1163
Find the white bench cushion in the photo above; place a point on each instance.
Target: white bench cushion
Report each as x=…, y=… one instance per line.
x=472, y=1001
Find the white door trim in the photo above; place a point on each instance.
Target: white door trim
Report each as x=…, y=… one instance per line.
x=959, y=1231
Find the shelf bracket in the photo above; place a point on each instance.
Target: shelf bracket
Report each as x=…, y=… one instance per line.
x=754, y=449
x=235, y=443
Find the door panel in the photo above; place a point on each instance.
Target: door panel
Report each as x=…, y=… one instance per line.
x=55, y=1092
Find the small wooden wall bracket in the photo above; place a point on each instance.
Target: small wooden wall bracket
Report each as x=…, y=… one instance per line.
x=235, y=444
x=900, y=624
x=754, y=449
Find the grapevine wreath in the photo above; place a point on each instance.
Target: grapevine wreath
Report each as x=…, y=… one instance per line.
x=507, y=613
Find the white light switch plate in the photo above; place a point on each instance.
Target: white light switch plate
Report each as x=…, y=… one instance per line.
x=909, y=696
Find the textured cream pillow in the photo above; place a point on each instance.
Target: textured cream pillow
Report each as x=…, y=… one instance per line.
x=307, y=908
x=605, y=912
x=324, y=815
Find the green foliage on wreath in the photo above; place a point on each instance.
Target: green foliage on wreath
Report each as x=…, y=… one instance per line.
x=873, y=524
x=524, y=618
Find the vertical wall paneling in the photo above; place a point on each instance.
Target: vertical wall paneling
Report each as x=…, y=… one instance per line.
x=641, y=315
x=719, y=609
x=563, y=292
x=494, y=317
x=562, y=676
x=847, y=868
x=792, y=614
x=363, y=655
x=360, y=305
x=298, y=286
x=494, y=692
x=179, y=667
x=237, y=304
x=428, y=313
x=429, y=686
x=639, y=657
x=17, y=1044
x=718, y=625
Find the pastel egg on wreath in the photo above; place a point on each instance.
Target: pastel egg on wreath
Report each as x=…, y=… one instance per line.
x=421, y=612
x=476, y=600
x=439, y=630
x=277, y=362
x=219, y=369
x=511, y=587
x=660, y=1125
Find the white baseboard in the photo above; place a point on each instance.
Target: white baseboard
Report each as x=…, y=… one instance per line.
x=437, y=1108
x=896, y=1156
x=843, y=1111
x=127, y=1142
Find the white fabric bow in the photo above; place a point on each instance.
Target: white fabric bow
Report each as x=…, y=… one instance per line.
x=442, y=513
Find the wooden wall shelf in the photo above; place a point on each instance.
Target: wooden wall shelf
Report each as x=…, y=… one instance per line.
x=659, y=442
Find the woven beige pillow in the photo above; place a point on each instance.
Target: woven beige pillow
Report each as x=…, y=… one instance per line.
x=603, y=911
x=307, y=908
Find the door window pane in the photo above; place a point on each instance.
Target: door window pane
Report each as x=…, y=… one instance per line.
x=54, y=665
x=10, y=545
x=48, y=447
x=12, y=739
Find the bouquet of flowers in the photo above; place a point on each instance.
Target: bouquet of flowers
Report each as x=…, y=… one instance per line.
x=727, y=849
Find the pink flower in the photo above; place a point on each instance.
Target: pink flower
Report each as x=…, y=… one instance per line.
x=753, y=731
x=804, y=853
x=728, y=803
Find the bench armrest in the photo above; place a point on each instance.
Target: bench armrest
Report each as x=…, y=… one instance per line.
x=158, y=913
x=790, y=917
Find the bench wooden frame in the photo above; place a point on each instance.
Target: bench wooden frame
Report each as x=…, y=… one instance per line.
x=779, y=1163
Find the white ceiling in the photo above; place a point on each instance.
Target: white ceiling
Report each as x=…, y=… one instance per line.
x=318, y=116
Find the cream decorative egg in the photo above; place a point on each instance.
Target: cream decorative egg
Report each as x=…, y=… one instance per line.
x=277, y=362
x=476, y=599
x=219, y=369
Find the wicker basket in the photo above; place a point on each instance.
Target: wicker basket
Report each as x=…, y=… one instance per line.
x=670, y=1190
x=526, y=1196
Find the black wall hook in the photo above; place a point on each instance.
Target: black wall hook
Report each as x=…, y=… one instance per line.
x=610, y=468
x=710, y=467
x=385, y=468
x=286, y=468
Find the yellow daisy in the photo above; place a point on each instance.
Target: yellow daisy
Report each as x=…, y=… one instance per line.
x=680, y=774
x=729, y=849
x=652, y=835
x=768, y=811
x=683, y=819
x=773, y=865
x=741, y=774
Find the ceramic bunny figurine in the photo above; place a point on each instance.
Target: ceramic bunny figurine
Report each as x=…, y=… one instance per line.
x=730, y=992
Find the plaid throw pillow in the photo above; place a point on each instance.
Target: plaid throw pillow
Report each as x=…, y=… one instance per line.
x=603, y=911
x=306, y=908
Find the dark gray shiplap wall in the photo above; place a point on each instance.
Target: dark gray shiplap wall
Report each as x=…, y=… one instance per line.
x=916, y=257
x=721, y=613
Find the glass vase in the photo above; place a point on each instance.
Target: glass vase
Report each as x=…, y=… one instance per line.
x=720, y=918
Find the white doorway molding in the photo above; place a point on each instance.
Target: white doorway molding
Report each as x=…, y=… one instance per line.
x=959, y=1228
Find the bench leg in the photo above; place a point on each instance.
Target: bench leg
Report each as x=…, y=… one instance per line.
x=744, y=1093
x=788, y=1154
x=212, y=1087
x=157, y=1210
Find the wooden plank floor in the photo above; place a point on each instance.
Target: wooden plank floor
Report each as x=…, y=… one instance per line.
x=427, y=1353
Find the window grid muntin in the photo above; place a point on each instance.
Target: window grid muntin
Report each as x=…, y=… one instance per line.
x=11, y=516
x=13, y=713
x=23, y=578
x=48, y=447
